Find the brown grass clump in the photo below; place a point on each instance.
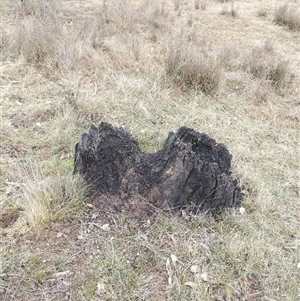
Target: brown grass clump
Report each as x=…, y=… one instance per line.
x=200, y=71
x=38, y=41
x=262, y=11
x=288, y=15
x=200, y=4
x=8, y=216
x=42, y=38
x=197, y=4
x=264, y=63
x=230, y=9
x=176, y=4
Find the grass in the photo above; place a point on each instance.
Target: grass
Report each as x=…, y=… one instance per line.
x=264, y=63
x=230, y=9
x=288, y=15
x=193, y=70
x=262, y=11
x=51, y=199
x=151, y=68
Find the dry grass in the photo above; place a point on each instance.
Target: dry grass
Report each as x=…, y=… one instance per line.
x=68, y=64
x=194, y=69
x=265, y=64
x=288, y=15
x=201, y=4
x=262, y=11
x=230, y=9
x=51, y=199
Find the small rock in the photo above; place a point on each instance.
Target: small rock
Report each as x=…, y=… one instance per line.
x=204, y=276
x=59, y=234
x=242, y=210
x=100, y=288
x=89, y=205
x=190, y=284
x=62, y=274
x=105, y=227
x=174, y=258
x=194, y=269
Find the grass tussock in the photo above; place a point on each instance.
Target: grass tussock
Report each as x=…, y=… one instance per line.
x=39, y=42
x=230, y=9
x=262, y=11
x=42, y=38
x=193, y=70
x=50, y=199
x=200, y=4
x=288, y=15
x=265, y=64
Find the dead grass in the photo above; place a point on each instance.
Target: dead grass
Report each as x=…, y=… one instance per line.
x=51, y=199
x=83, y=62
x=262, y=11
x=288, y=15
x=47, y=37
x=193, y=70
x=230, y=9
x=265, y=64
x=200, y=4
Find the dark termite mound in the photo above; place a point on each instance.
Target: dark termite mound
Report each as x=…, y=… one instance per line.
x=191, y=171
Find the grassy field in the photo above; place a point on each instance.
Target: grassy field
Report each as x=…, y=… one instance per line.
x=229, y=69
